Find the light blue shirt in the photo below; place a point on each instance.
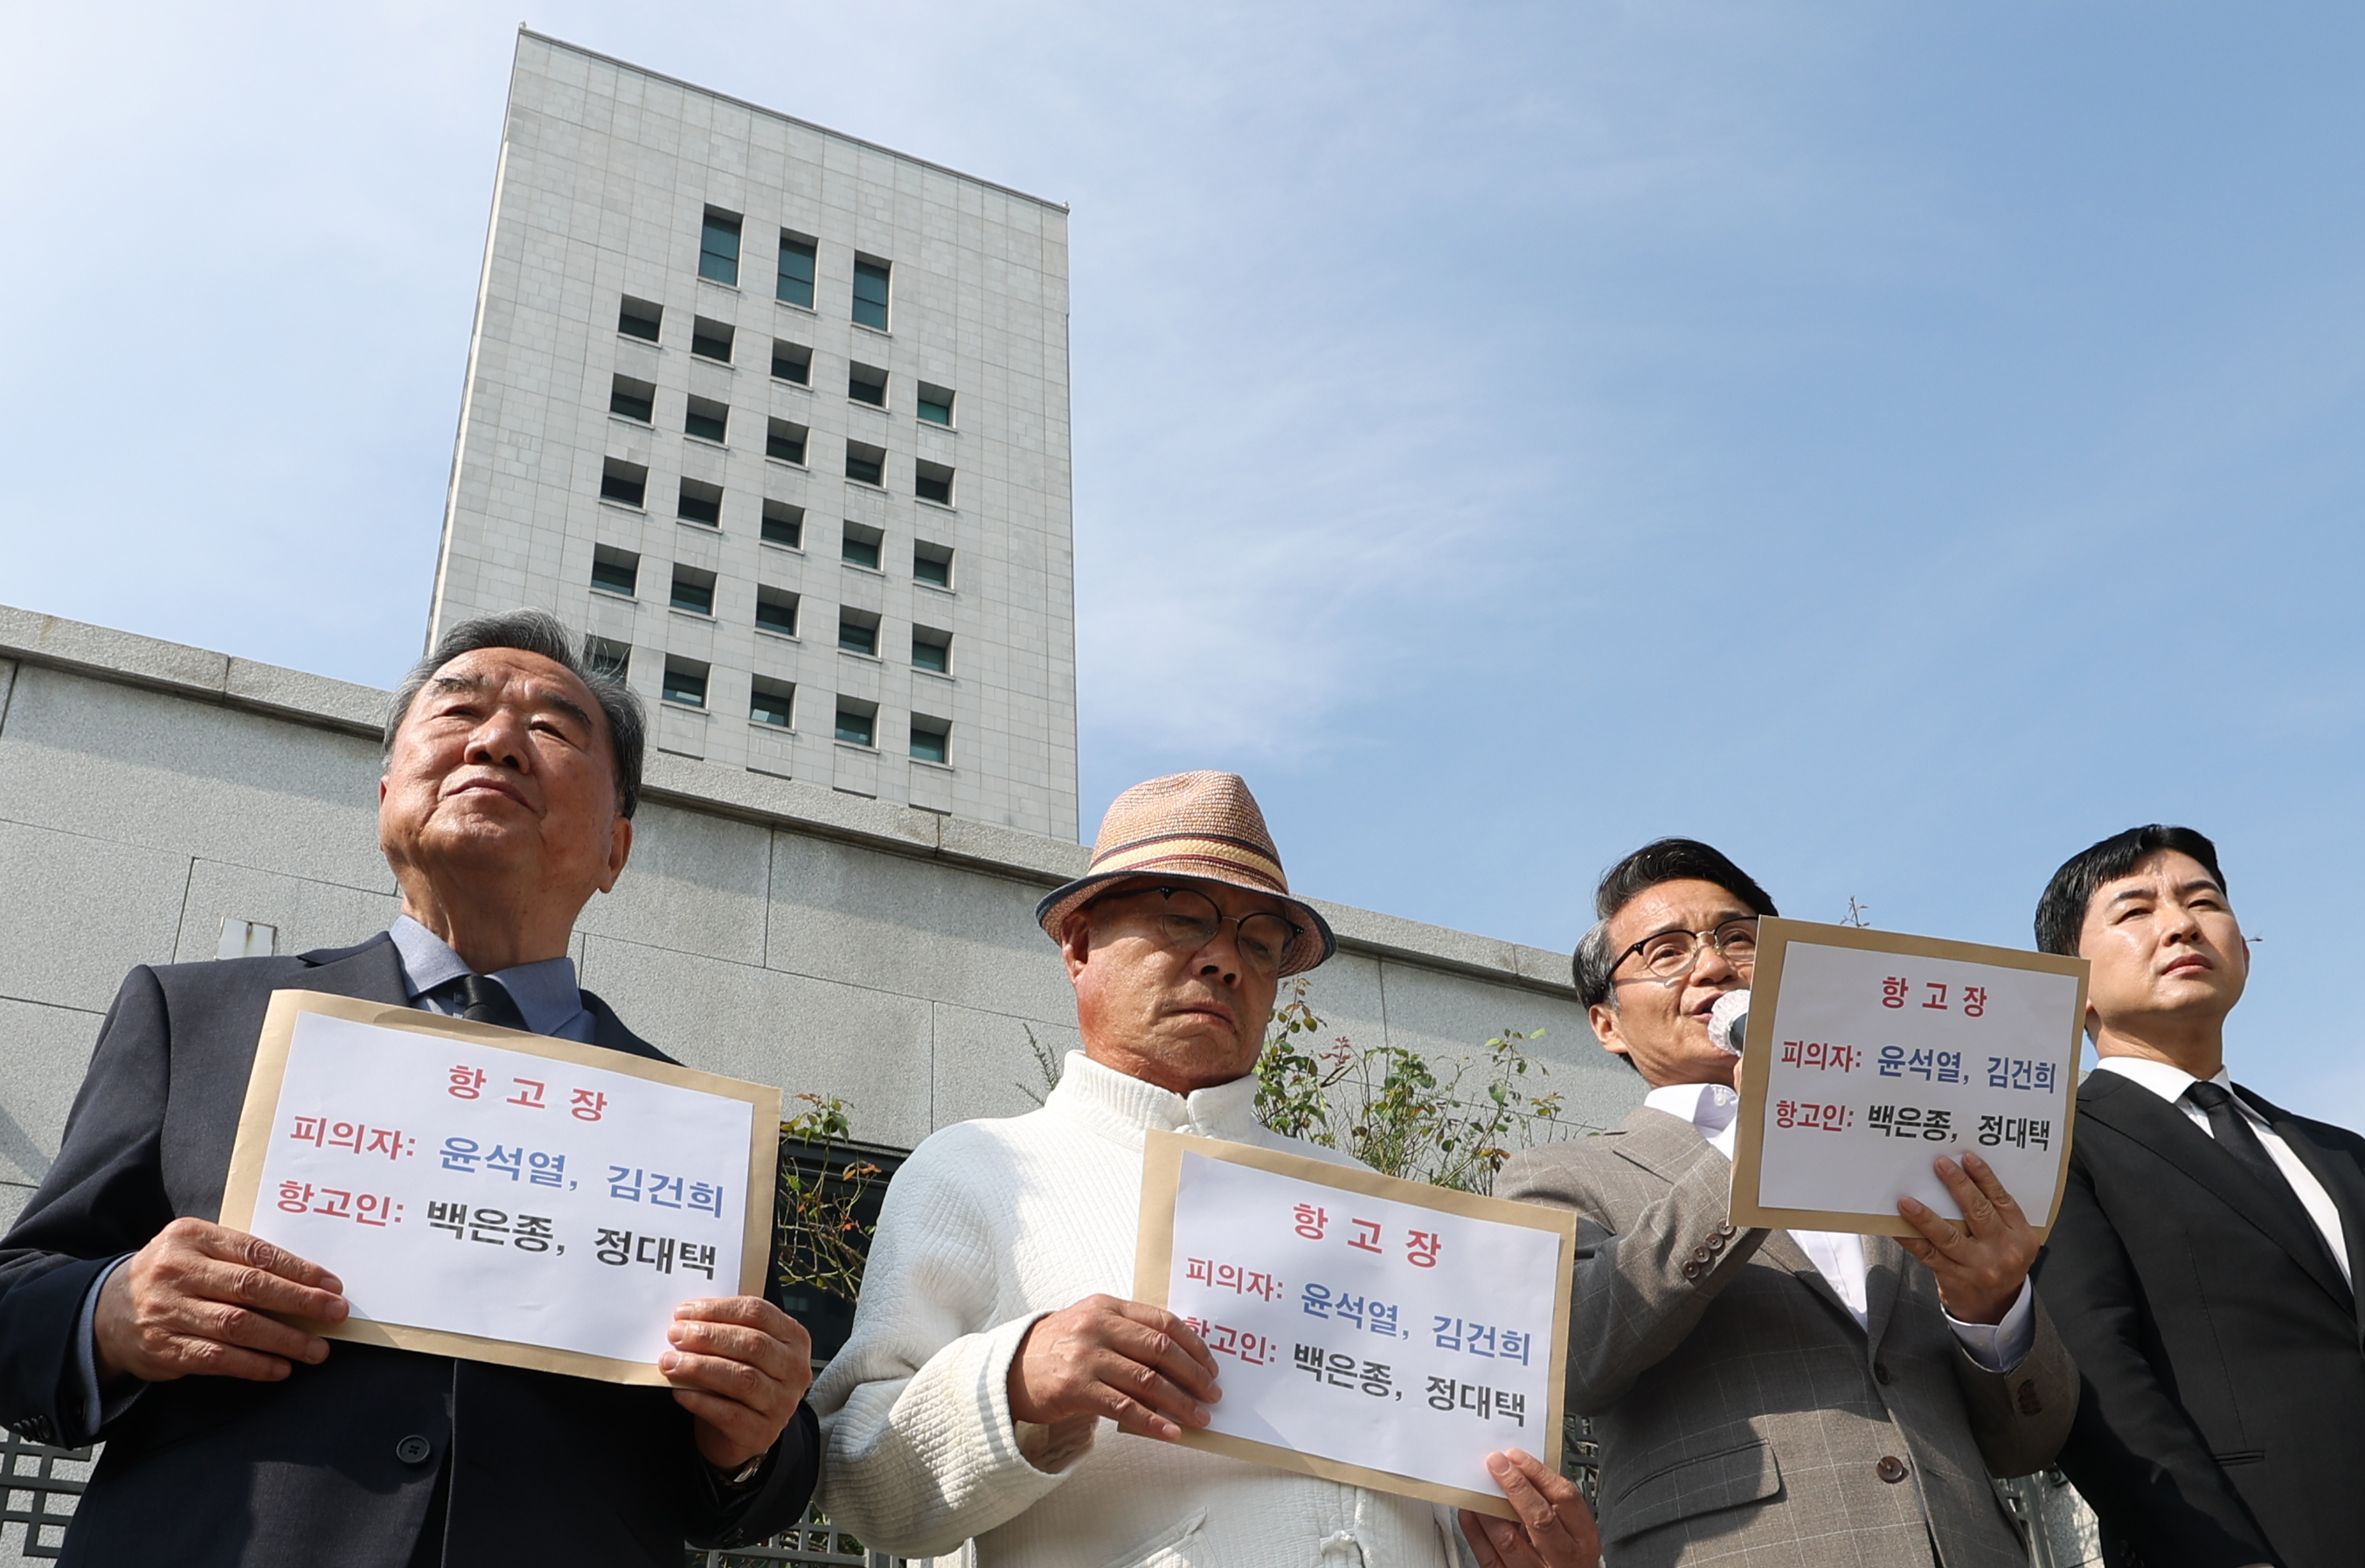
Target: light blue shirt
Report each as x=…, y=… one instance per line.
x=546, y=996
x=544, y=992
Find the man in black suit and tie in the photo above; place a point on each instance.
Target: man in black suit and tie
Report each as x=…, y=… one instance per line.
x=235, y=1437
x=2201, y=1269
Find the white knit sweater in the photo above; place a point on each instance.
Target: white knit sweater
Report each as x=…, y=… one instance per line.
x=988, y=1227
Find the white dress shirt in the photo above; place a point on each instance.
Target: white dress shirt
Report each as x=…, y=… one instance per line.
x=2170, y=1082
x=1838, y=1255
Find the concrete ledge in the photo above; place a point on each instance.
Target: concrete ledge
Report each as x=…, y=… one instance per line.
x=762, y=799
x=195, y=673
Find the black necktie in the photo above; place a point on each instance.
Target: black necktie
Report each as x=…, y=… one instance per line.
x=489, y=1003
x=2238, y=1138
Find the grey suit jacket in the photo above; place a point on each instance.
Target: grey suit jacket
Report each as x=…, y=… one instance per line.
x=1743, y=1415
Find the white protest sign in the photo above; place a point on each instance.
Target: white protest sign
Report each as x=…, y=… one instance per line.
x=502, y=1196
x=1869, y=1054
x=1365, y=1330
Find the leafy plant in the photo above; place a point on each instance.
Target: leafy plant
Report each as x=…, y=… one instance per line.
x=1395, y=1109
x=818, y=1237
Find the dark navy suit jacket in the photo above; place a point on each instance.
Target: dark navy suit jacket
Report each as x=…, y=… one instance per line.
x=208, y=1471
x=2222, y=1420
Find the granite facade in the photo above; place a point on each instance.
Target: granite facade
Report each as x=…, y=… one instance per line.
x=606, y=178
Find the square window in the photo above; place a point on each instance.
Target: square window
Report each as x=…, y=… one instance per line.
x=931, y=738
x=785, y=441
x=866, y=464
x=706, y=420
x=711, y=340
x=933, y=482
x=616, y=570
x=772, y=702
x=701, y=502
x=858, y=546
x=791, y=361
x=776, y=611
x=932, y=649
x=936, y=405
x=685, y=681
x=718, y=247
x=784, y=524
x=857, y=631
x=639, y=319
x=693, y=591
x=796, y=285
x=632, y=399
x=610, y=661
x=627, y=482
x=871, y=292
x=933, y=564
x=867, y=384
x=857, y=722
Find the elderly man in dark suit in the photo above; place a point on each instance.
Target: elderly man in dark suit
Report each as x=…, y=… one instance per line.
x=235, y=1436
x=2203, y=1266
x=1775, y=1397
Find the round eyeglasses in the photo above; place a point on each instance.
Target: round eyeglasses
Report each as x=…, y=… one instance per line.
x=1668, y=955
x=1190, y=919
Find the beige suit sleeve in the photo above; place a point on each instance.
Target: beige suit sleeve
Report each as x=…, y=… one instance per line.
x=1632, y=1302
x=2022, y=1418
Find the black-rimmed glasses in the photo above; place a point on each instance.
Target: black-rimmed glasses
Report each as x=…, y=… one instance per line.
x=1668, y=955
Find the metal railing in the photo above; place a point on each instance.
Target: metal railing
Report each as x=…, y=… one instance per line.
x=812, y=1543
x=51, y=1480
x=44, y=1477
x=42, y=1485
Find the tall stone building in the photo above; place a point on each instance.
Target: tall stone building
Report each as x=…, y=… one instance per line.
x=781, y=417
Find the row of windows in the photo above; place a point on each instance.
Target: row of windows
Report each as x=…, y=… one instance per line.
x=858, y=545
x=718, y=260
x=784, y=440
x=791, y=361
x=627, y=484
x=774, y=702
x=619, y=571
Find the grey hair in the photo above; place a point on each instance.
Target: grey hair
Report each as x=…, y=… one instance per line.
x=538, y=632
x=1590, y=968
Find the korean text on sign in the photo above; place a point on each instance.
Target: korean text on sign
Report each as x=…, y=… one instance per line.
x=461, y=1186
x=1878, y=1061
x=1384, y=1334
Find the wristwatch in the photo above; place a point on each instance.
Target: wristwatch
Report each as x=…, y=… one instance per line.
x=744, y=1474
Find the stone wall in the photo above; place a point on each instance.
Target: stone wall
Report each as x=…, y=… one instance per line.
x=767, y=928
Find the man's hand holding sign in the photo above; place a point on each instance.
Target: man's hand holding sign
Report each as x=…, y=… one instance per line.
x=1982, y=1260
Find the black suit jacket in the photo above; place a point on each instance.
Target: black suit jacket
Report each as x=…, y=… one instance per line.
x=209, y=1471
x=2221, y=1419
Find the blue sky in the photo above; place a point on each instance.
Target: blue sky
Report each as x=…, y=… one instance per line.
x=1899, y=444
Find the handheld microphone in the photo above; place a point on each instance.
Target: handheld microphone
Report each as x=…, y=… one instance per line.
x=1727, y=1021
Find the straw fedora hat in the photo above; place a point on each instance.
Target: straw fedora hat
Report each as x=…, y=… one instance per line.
x=1201, y=826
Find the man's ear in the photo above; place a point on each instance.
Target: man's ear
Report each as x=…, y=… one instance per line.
x=1076, y=942
x=1604, y=1019
x=619, y=849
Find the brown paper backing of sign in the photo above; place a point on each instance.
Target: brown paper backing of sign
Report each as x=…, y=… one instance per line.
x=1162, y=1173
x=1774, y=938
x=262, y=1113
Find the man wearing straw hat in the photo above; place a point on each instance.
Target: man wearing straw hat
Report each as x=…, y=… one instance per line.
x=998, y=1387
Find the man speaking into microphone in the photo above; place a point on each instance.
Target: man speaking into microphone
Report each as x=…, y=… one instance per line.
x=1764, y=1397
